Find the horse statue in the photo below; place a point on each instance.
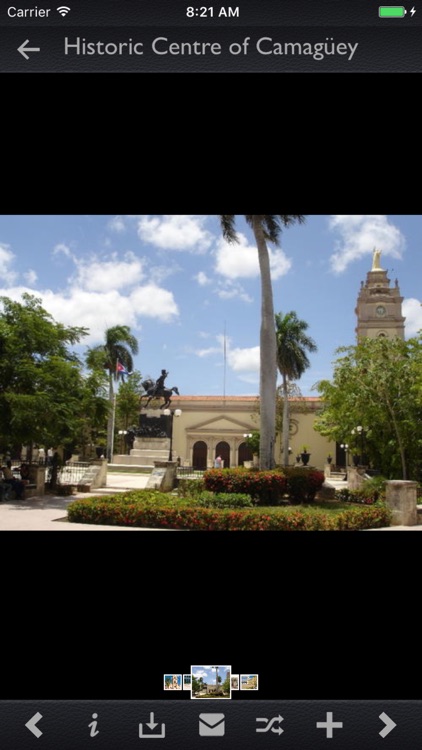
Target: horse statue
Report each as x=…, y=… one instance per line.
x=153, y=392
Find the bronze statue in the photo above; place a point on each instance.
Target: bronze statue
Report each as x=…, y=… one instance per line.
x=157, y=390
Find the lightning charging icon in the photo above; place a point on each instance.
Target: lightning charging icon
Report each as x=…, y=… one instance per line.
x=413, y=11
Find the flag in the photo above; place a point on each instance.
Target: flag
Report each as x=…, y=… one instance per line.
x=120, y=370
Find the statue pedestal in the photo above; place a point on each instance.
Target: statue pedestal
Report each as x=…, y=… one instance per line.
x=145, y=451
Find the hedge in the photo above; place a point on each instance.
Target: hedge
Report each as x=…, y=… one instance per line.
x=303, y=483
x=266, y=487
x=297, y=484
x=159, y=510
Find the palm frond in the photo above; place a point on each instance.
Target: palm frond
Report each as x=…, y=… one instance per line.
x=228, y=227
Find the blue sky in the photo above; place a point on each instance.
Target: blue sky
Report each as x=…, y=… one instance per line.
x=179, y=286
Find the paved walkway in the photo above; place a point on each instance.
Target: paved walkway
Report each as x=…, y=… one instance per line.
x=49, y=513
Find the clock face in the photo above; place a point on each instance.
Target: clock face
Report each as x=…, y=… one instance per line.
x=380, y=310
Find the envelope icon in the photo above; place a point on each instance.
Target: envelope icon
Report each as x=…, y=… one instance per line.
x=211, y=725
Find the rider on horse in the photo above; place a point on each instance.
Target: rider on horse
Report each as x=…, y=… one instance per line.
x=159, y=385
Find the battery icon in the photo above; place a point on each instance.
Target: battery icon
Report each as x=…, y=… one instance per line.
x=392, y=11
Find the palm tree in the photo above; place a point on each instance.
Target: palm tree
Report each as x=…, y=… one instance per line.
x=266, y=228
x=292, y=361
x=119, y=346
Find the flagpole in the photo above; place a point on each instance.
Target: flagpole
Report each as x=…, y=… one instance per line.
x=225, y=362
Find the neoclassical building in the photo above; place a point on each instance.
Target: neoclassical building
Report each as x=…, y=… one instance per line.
x=211, y=426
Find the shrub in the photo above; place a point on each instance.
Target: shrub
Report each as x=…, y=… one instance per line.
x=190, y=487
x=224, y=500
x=159, y=510
x=364, y=518
x=368, y=493
x=303, y=483
x=266, y=487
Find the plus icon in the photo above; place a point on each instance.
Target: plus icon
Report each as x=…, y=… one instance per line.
x=329, y=724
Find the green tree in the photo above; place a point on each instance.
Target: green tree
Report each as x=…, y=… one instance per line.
x=265, y=228
x=40, y=377
x=377, y=384
x=119, y=346
x=128, y=401
x=293, y=343
x=254, y=441
x=226, y=685
x=94, y=411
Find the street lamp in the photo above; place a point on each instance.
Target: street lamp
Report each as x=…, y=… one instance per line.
x=345, y=448
x=169, y=413
x=122, y=433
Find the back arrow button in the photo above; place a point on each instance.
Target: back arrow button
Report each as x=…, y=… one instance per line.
x=389, y=724
x=31, y=724
x=23, y=49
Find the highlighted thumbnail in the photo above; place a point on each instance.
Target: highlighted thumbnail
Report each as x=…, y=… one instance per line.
x=211, y=682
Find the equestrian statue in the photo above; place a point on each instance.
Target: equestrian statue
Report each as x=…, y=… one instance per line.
x=156, y=389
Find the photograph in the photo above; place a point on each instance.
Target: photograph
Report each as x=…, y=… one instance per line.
x=143, y=367
x=172, y=682
x=211, y=682
x=187, y=682
x=235, y=681
x=249, y=682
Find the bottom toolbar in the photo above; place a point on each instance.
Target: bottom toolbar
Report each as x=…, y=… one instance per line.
x=248, y=724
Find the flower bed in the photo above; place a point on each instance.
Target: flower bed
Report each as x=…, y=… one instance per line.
x=159, y=510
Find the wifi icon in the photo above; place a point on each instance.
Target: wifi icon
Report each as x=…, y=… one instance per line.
x=63, y=10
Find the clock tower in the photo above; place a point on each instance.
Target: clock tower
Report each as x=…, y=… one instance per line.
x=378, y=306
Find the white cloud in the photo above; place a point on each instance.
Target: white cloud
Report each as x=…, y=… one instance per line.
x=207, y=352
x=202, y=278
x=117, y=224
x=7, y=258
x=105, y=275
x=359, y=234
x=100, y=310
x=175, y=232
x=241, y=260
x=219, y=349
x=30, y=276
x=63, y=249
x=230, y=289
x=412, y=311
x=244, y=359
x=154, y=302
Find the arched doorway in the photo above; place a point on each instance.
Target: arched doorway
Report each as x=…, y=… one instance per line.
x=245, y=453
x=223, y=449
x=199, y=457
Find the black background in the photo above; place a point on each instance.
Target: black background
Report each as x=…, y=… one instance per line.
x=104, y=615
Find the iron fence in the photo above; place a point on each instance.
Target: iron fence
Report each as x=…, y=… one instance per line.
x=188, y=472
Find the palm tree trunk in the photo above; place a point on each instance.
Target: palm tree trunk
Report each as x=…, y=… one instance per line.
x=268, y=353
x=286, y=422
